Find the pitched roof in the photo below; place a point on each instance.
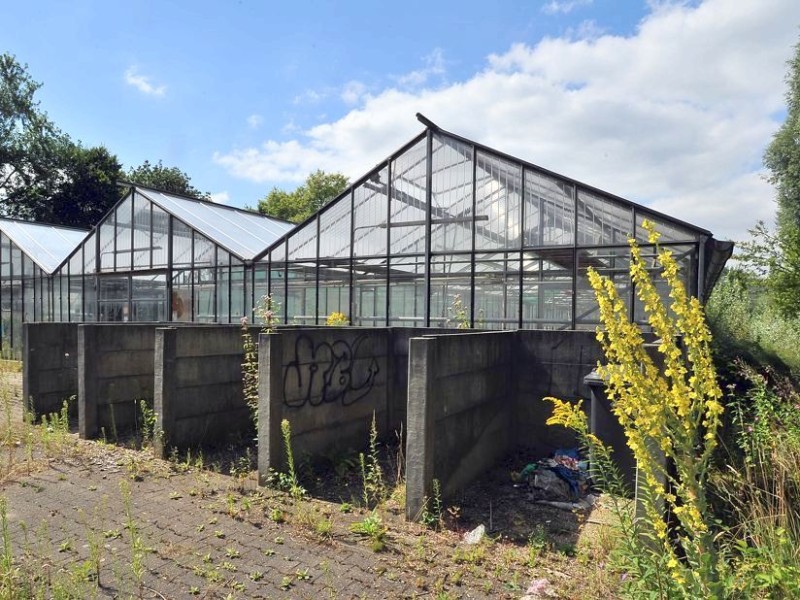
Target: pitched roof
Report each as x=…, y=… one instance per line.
x=46, y=245
x=241, y=232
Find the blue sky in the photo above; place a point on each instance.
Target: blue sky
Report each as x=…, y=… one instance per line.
x=666, y=103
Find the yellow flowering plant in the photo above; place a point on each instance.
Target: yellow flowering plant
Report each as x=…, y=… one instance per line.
x=670, y=411
x=337, y=319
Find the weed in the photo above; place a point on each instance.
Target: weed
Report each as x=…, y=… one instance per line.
x=287, y=481
x=302, y=574
x=371, y=527
x=324, y=528
x=371, y=471
x=432, y=508
x=149, y=419
x=137, y=546
x=286, y=583
x=277, y=515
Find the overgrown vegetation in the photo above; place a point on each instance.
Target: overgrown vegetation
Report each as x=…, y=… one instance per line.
x=266, y=312
x=721, y=508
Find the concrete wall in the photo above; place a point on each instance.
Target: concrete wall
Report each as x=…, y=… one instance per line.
x=49, y=365
x=115, y=372
x=460, y=407
x=550, y=363
x=327, y=383
x=398, y=390
x=199, y=397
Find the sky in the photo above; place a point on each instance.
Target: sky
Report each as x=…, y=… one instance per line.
x=666, y=103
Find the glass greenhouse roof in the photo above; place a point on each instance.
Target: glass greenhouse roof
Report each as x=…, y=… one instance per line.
x=243, y=233
x=47, y=245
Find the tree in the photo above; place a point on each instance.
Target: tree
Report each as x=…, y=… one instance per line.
x=32, y=148
x=87, y=191
x=777, y=254
x=319, y=189
x=168, y=179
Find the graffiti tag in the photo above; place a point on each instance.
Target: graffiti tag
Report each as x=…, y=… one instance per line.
x=326, y=373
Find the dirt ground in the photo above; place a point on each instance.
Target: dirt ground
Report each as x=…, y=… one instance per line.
x=89, y=519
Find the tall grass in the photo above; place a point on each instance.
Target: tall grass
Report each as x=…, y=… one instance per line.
x=758, y=488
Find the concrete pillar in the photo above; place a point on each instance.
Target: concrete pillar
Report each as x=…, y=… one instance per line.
x=87, y=381
x=164, y=389
x=420, y=425
x=270, y=404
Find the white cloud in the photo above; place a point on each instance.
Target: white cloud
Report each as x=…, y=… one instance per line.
x=675, y=116
x=352, y=92
x=434, y=66
x=221, y=197
x=311, y=97
x=555, y=7
x=143, y=83
x=255, y=121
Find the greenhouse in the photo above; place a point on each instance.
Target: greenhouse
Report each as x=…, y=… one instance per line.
x=449, y=232
x=29, y=254
x=162, y=257
x=444, y=232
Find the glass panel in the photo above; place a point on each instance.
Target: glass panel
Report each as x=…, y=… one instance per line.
x=670, y=232
x=89, y=254
x=204, y=296
x=238, y=290
x=223, y=312
x=89, y=298
x=182, y=295
x=277, y=291
x=369, y=292
x=334, y=230
x=613, y=263
x=142, y=250
x=450, y=286
x=451, y=191
x=601, y=221
x=687, y=262
x=113, y=298
x=149, y=297
x=409, y=182
x=334, y=287
x=301, y=302
x=107, y=244
x=369, y=215
x=181, y=244
x=549, y=211
x=278, y=254
x=6, y=285
x=124, y=235
x=498, y=189
x=260, y=286
x=203, y=251
x=65, y=298
x=28, y=313
x=407, y=292
x=160, y=223
x=497, y=291
x=303, y=243
x=547, y=288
